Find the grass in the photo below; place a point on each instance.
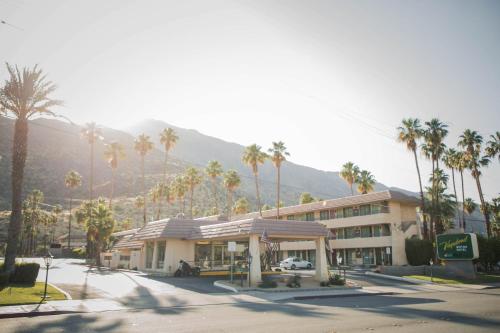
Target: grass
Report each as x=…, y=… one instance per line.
x=21, y=294
x=481, y=278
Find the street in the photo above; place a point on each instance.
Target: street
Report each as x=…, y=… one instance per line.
x=462, y=311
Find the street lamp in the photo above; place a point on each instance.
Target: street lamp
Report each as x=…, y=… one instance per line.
x=431, y=263
x=249, y=267
x=48, y=261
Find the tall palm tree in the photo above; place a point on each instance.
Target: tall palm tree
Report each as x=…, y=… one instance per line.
x=350, y=173
x=100, y=227
x=471, y=141
x=114, y=152
x=241, y=206
x=450, y=161
x=168, y=138
x=91, y=133
x=278, y=154
x=56, y=212
x=193, y=179
x=72, y=180
x=366, y=181
x=156, y=194
x=493, y=148
x=214, y=170
x=143, y=146
x=24, y=95
x=139, y=203
x=433, y=148
x=231, y=182
x=179, y=189
x=253, y=156
x=461, y=165
x=409, y=133
x=469, y=206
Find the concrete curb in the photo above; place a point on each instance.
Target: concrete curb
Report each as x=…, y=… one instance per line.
x=68, y=296
x=299, y=298
x=397, y=278
x=219, y=284
x=223, y=285
x=35, y=314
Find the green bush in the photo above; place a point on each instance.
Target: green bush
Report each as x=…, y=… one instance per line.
x=25, y=273
x=418, y=251
x=79, y=253
x=336, y=280
x=268, y=284
x=4, y=279
x=489, y=252
x=294, y=281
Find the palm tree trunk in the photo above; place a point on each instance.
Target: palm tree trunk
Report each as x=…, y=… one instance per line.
x=455, y=191
x=214, y=190
x=422, y=200
x=164, y=184
x=191, y=202
x=432, y=201
x=463, y=199
x=481, y=197
x=98, y=246
x=91, y=190
x=143, y=190
x=229, y=204
x=69, y=220
x=112, y=189
x=278, y=196
x=258, y=193
x=352, y=192
x=19, y=152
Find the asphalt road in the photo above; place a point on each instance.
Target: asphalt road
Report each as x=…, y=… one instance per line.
x=453, y=312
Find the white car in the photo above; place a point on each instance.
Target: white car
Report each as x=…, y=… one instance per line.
x=294, y=263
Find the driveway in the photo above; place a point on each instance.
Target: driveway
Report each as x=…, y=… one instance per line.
x=84, y=282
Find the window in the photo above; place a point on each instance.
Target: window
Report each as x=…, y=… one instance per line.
x=357, y=232
x=339, y=213
x=310, y=217
x=290, y=217
x=124, y=258
x=349, y=233
x=366, y=232
x=355, y=211
x=376, y=208
x=364, y=210
x=376, y=231
x=384, y=207
x=386, y=230
x=160, y=258
x=348, y=212
x=340, y=233
x=324, y=215
x=149, y=254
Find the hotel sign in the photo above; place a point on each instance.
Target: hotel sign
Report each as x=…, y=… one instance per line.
x=457, y=247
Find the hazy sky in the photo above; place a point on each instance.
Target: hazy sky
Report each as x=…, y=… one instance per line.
x=332, y=79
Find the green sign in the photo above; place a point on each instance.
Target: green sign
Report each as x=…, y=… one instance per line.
x=457, y=247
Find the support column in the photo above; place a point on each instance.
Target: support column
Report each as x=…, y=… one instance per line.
x=321, y=263
x=155, y=256
x=254, y=250
x=166, y=260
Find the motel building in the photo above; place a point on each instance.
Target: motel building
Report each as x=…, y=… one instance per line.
x=365, y=230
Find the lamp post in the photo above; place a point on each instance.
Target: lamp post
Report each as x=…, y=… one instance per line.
x=48, y=261
x=431, y=263
x=249, y=268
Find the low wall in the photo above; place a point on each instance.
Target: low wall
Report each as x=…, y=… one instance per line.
x=458, y=268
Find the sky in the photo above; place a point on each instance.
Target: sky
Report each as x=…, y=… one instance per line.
x=332, y=79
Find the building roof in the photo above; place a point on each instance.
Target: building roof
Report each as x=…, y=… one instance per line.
x=205, y=229
x=125, y=232
x=126, y=242
x=388, y=195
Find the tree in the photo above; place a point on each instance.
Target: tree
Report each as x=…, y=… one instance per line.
x=214, y=170
x=366, y=182
x=450, y=161
x=460, y=165
x=24, y=96
x=193, y=179
x=350, y=173
x=231, y=182
x=409, y=133
x=56, y=212
x=155, y=194
x=168, y=138
x=495, y=210
x=469, y=207
x=253, y=156
x=92, y=133
x=139, y=202
x=278, y=154
x=241, y=206
x=143, y=146
x=493, y=146
x=72, y=180
x=471, y=141
x=33, y=217
x=306, y=198
x=266, y=207
x=114, y=152
x=179, y=189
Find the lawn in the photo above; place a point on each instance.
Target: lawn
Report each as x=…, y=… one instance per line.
x=21, y=294
x=481, y=278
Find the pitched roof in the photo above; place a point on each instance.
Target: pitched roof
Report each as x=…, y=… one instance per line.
x=128, y=243
x=388, y=195
x=125, y=232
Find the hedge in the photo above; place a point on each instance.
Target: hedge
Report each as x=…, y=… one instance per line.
x=489, y=251
x=418, y=251
x=24, y=273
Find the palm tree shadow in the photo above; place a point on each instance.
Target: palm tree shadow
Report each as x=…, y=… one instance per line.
x=73, y=323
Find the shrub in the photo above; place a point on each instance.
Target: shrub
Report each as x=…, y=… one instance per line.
x=336, y=280
x=25, y=273
x=268, y=284
x=4, y=279
x=294, y=281
x=489, y=252
x=418, y=251
x=324, y=283
x=79, y=253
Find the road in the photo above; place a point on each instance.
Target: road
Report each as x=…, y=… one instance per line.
x=457, y=311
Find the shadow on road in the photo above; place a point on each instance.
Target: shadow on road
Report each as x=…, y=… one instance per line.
x=73, y=323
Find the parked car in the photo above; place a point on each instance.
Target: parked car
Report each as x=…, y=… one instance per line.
x=294, y=263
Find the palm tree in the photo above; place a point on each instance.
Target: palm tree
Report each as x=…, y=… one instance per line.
x=493, y=148
x=231, y=181
x=168, y=138
x=214, y=170
x=72, y=180
x=278, y=154
x=460, y=165
x=471, y=141
x=241, y=206
x=439, y=181
x=366, y=181
x=143, y=145
x=179, y=189
x=139, y=202
x=114, y=152
x=193, y=179
x=156, y=194
x=100, y=226
x=469, y=207
x=305, y=198
x=56, y=212
x=253, y=156
x=409, y=133
x=450, y=161
x=24, y=96
x=350, y=173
